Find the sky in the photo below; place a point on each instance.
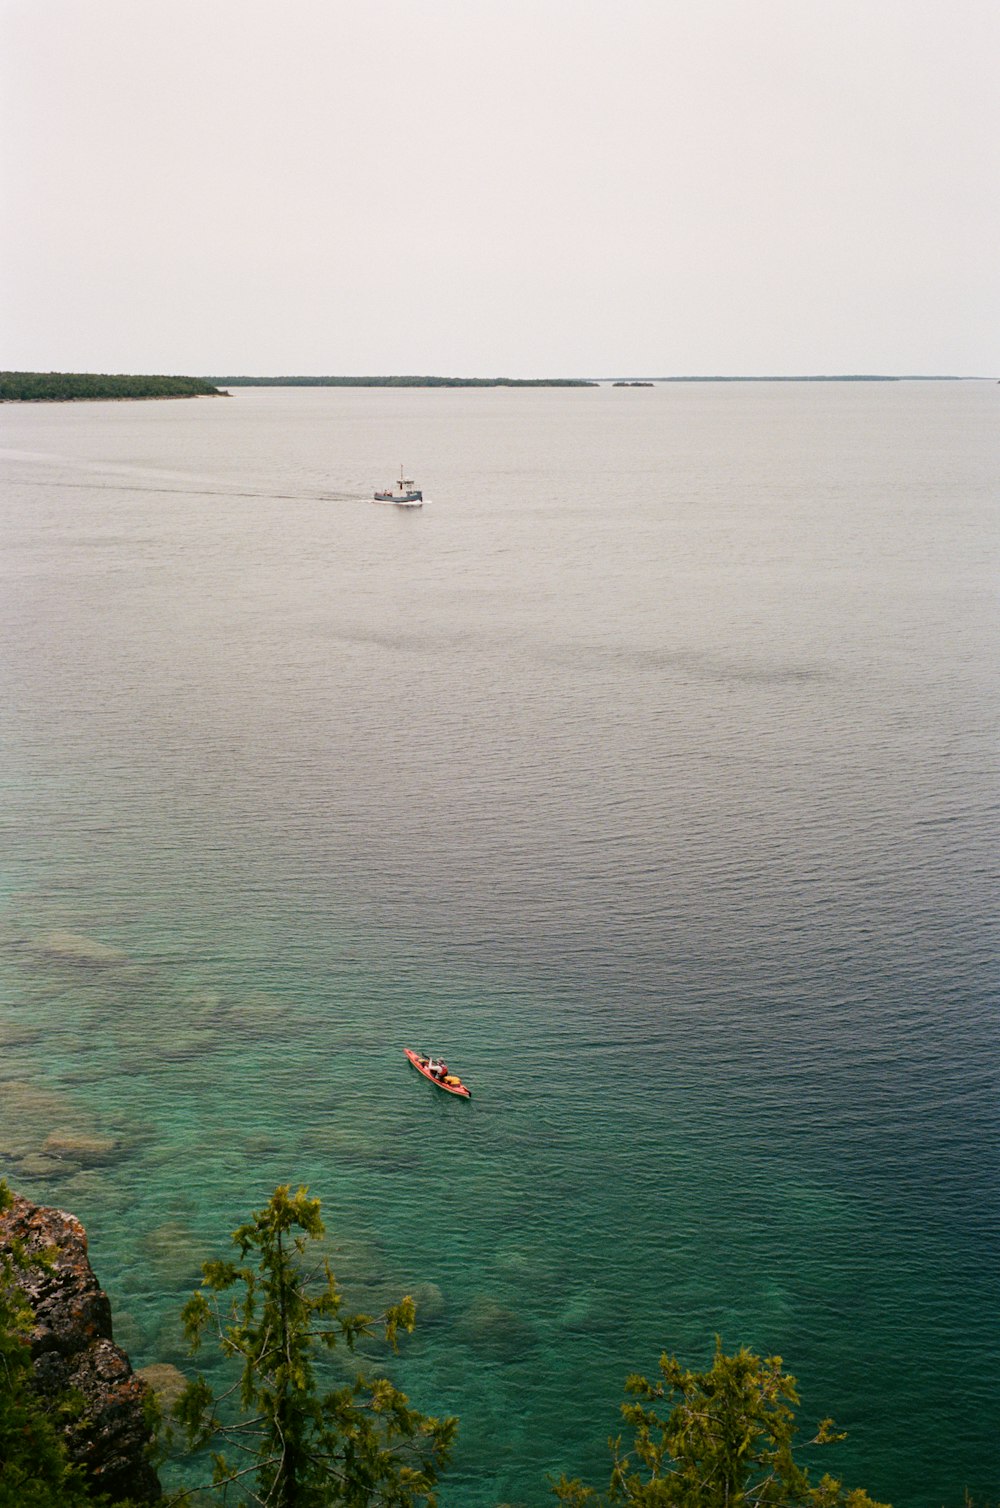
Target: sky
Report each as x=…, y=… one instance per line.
x=526, y=188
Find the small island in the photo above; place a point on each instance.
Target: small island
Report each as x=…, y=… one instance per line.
x=74, y=387
x=631, y=384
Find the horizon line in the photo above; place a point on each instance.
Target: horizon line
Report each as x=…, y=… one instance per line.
x=347, y=379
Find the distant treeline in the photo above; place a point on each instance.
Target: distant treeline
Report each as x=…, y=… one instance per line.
x=37, y=387
x=404, y=381
x=554, y=381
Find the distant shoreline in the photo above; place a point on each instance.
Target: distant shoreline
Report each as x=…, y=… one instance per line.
x=389, y=381
x=77, y=387
x=236, y=381
x=837, y=377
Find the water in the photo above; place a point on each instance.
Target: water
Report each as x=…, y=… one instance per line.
x=648, y=774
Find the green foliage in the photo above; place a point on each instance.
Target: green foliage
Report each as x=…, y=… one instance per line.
x=718, y=1439
x=35, y=1471
x=36, y=387
x=291, y=1446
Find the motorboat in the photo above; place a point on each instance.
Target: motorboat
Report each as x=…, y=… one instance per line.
x=403, y=493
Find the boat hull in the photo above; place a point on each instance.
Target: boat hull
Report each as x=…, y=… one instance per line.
x=418, y=1060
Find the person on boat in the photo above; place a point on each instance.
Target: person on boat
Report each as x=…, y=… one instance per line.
x=436, y=1068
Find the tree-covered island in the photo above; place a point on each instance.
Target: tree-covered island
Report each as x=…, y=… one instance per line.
x=69, y=387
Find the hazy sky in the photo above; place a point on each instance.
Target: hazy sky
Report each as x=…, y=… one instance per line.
x=519, y=187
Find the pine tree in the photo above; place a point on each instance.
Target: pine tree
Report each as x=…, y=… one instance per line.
x=724, y=1438
x=291, y=1446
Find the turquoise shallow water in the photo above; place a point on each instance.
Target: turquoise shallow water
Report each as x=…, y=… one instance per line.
x=649, y=774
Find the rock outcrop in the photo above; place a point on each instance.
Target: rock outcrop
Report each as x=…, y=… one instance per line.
x=72, y=1348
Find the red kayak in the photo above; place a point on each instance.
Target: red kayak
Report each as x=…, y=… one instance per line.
x=443, y=1079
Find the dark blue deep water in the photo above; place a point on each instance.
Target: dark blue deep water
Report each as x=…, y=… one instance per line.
x=648, y=774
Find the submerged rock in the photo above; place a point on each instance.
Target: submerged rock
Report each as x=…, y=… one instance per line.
x=129, y=1335
x=72, y=1348
x=23, y=1101
x=495, y=1331
x=19, y=1034
x=27, y=1115
x=82, y=952
x=80, y=1147
x=430, y=1302
x=40, y=1165
x=173, y=1255
x=91, y=1187
x=578, y=1313
x=166, y=1381
x=256, y=1015
x=45, y=1133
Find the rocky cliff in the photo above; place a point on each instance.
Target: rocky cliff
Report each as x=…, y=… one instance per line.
x=72, y=1348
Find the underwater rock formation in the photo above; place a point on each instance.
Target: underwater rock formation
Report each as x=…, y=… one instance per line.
x=79, y=951
x=72, y=1348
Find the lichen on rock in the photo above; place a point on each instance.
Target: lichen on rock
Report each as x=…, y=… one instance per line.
x=73, y=1351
